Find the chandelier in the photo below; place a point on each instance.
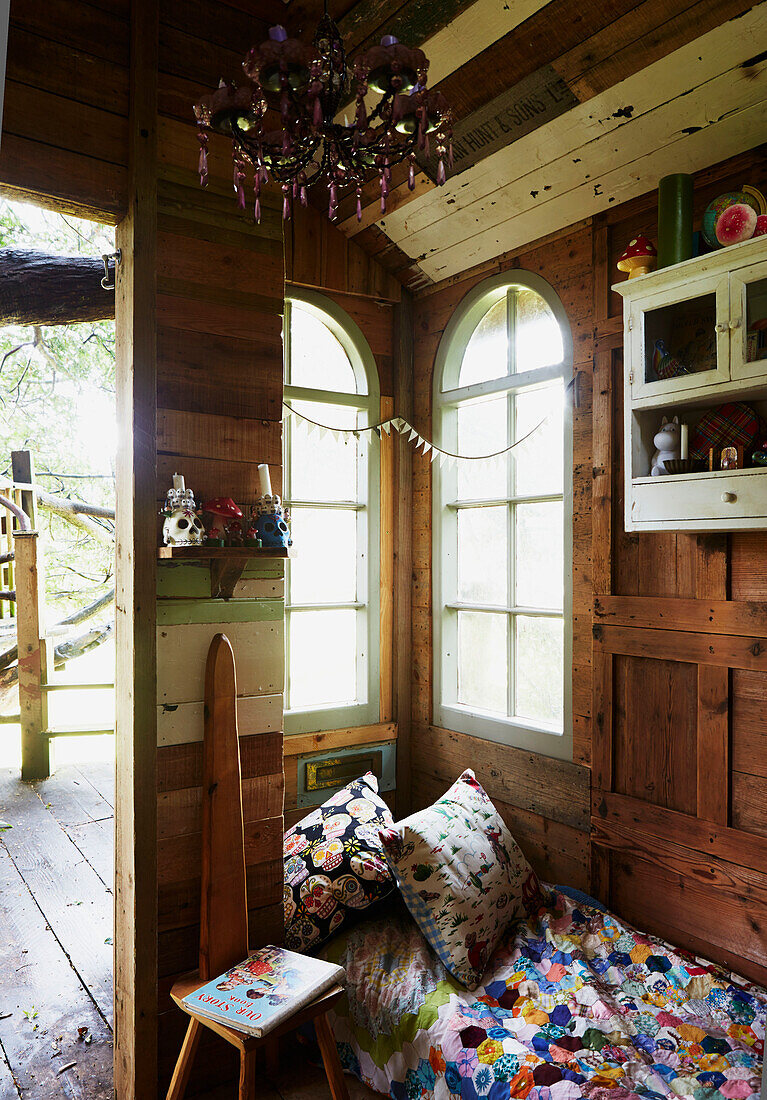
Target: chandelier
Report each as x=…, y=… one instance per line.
x=284, y=122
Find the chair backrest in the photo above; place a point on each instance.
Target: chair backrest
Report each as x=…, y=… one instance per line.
x=224, y=905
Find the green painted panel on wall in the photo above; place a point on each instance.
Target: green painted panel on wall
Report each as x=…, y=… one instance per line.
x=191, y=581
x=180, y=612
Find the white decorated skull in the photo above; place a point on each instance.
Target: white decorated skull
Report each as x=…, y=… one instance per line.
x=182, y=528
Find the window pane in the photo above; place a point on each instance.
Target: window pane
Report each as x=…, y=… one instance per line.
x=482, y=660
x=326, y=569
x=540, y=564
x=482, y=429
x=483, y=556
x=539, y=461
x=540, y=674
x=323, y=648
x=487, y=351
x=323, y=469
x=538, y=335
x=317, y=359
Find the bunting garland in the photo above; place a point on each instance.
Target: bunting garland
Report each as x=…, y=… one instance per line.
x=407, y=431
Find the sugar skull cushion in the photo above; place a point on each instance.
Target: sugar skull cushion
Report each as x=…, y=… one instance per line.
x=462, y=876
x=334, y=864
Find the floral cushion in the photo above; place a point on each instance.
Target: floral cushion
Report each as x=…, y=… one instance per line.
x=334, y=864
x=462, y=876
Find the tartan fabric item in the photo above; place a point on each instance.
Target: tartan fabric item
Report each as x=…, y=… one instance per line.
x=730, y=425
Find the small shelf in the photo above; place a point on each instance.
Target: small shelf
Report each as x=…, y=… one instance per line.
x=697, y=475
x=227, y=563
x=224, y=553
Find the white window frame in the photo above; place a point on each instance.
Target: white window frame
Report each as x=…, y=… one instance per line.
x=446, y=396
x=366, y=711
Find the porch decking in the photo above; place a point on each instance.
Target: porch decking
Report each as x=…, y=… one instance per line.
x=56, y=869
x=56, y=954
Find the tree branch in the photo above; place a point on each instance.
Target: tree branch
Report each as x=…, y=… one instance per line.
x=39, y=289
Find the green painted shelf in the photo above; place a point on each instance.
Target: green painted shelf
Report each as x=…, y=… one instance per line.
x=226, y=562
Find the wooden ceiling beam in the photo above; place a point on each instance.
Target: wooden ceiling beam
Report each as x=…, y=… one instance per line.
x=642, y=35
x=676, y=124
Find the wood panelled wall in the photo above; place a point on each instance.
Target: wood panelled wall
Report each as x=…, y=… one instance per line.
x=219, y=301
x=662, y=812
x=220, y=293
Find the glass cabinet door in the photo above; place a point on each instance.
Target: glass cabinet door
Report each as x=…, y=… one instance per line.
x=680, y=338
x=748, y=321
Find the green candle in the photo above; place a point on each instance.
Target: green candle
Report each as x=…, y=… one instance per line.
x=674, y=219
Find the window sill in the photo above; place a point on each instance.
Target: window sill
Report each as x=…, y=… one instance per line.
x=516, y=732
x=316, y=720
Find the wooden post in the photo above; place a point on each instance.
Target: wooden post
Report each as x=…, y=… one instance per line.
x=23, y=470
x=135, y=1051
x=35, y=756
x=24, y=473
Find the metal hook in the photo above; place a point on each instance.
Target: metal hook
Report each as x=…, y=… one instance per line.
x=106, y=257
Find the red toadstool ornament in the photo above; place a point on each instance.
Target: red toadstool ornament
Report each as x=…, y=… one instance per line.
x=761, y=225
x=639, y=258
x=223, y=510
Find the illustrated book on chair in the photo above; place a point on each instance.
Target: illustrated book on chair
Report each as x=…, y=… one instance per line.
x=265, y=989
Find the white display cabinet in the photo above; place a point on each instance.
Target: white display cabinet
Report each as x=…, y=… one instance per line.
x=705, y=314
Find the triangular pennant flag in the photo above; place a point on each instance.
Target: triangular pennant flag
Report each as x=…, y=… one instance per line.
x=413, y=435
x=322, y=430
x=426, y=446
x=434, y=454
x=386, y=426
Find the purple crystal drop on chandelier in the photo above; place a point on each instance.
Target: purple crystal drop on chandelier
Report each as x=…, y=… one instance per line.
x=288, y=116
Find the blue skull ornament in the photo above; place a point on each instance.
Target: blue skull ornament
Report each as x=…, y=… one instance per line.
x=272, y=529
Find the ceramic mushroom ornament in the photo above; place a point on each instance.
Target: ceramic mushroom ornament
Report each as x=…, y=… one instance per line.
x=223, y=510
x=639, y=258
x=182, y=526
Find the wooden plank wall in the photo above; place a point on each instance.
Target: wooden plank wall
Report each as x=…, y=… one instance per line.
x=65, y=119
x=679, y=790
x=220, y=293
x=661, y=813
x=219, y=389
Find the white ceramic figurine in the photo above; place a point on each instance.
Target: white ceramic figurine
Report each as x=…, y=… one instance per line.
x=668, y=445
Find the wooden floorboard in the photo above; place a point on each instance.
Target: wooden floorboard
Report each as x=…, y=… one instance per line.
x=36, y=978
x=71, y=895
x=101, y=777
x=72, y=798
x=96, y=842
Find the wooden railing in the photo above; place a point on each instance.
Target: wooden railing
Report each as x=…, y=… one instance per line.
x=36, y=652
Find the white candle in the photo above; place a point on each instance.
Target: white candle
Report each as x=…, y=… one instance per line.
x=263, y=477
x=178, y=481
x=685, y=440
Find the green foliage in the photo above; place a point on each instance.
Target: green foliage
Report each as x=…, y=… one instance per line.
x=57, y=387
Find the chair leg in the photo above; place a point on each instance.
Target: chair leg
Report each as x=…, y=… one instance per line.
x=183, y=1068
x=272, y=1053
x=247, y=1075
x=329, y=1052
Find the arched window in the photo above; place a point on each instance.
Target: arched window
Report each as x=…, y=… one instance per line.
x=502, y=529
x=331, y=485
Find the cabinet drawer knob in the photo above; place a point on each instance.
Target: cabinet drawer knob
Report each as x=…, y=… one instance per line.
x=728, y=498
x=721, y=326
x=735, y=324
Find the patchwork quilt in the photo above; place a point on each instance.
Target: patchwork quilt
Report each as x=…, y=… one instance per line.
x=573, y=1003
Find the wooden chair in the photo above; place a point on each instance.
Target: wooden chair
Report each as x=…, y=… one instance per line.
x=224, y=906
